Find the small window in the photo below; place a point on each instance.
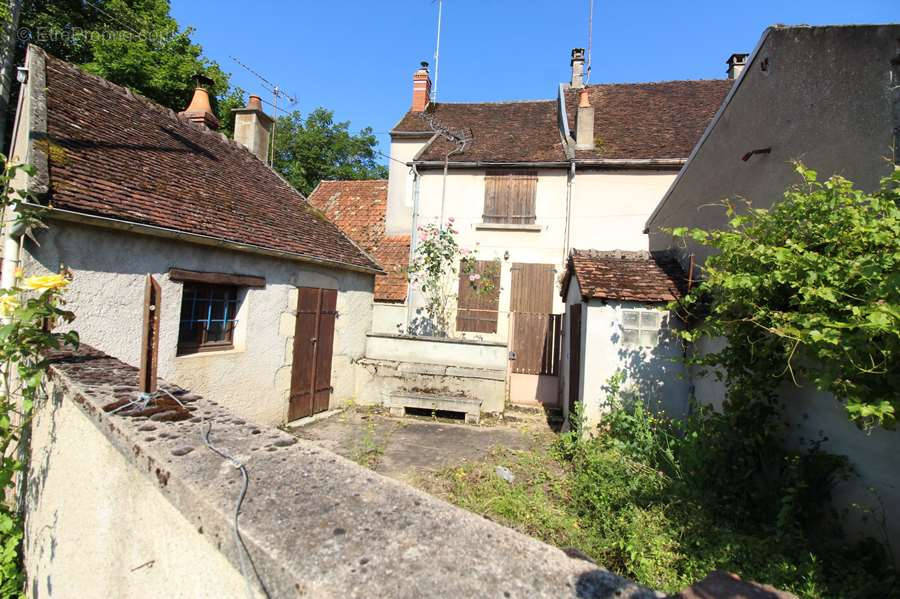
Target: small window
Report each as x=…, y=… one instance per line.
x=208, y=318
x=642, y=327
x=509, y=197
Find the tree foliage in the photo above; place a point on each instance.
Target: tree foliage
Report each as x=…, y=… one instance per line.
x=808, y=291
x=135, y=43
x=316, y=148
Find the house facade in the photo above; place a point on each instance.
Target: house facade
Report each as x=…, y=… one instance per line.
x=265, y=303
x=826, y=96
x=526, y=182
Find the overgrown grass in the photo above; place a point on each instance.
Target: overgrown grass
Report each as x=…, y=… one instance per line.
x=639, y=501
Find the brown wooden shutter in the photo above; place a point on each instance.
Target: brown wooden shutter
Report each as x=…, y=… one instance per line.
x=477, y=312
x=509, y=197
x=532, y=288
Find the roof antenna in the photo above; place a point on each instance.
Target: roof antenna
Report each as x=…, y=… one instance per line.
x=437, y=52
x=587, y=76
x=277, y=92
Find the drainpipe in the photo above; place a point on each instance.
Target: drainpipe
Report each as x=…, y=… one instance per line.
x=412, y=244
x=12, y=239
x=567, y=242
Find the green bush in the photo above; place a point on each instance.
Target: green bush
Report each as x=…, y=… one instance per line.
x=667, y=501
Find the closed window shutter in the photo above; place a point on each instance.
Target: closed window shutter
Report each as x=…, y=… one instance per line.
x=477, y=312
x=509, y=197
x=532, y=288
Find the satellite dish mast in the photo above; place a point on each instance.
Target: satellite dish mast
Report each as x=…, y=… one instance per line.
x=277, y=92
x=587, y=77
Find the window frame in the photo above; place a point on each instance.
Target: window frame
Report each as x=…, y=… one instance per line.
x=231, y=298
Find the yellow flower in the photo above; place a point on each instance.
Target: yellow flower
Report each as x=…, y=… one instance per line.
x=45, y=282
x=8, y=305
x=19, y=272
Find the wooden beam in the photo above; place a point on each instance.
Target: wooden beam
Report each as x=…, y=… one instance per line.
x=216, y=278
x=150, y=339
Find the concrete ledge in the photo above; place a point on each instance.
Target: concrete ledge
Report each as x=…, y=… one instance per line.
x=315, y=524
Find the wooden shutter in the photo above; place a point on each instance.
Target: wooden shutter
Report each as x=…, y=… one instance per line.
x=532, y=288
x=477, y=312
x=509, y=197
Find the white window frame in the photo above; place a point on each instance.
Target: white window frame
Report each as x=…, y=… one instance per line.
x=642, y=327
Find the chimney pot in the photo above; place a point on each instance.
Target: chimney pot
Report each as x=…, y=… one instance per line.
x=200, y=110
x=736, y=63
x=253, y=128
x=421, y=88
x=577, y=63
x=584, y=122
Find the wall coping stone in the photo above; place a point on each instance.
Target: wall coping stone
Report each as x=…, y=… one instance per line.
x=437, y=339
x=316, y=524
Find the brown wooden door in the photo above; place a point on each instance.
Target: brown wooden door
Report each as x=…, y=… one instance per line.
x=313, y=347
x=532, y=288
x=574, y=354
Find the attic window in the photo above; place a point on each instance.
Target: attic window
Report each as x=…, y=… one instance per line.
x=208, y=317
x=642, y=327
x=509, y=197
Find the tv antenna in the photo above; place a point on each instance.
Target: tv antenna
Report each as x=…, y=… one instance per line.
x=437, y=51
x=277, y=92
x=587, y=77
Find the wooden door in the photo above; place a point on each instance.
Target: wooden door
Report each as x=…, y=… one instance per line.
x=532, y=288
x=313, y=348
x=574, y=354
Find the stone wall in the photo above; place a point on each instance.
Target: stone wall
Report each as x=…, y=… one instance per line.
x=134, y=504
x=396, y=364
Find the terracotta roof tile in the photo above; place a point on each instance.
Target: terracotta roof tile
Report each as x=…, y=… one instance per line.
x=502, y=132
x=620, y=275
x=116, y=154
x=649, y=120
x=359, y=209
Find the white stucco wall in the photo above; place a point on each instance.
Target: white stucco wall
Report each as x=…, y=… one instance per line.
x=96, y=527
x=400, y=181
x=611, y=207
x=444, y=352
x=253, y=379
x=388, y=317
x=656, y=375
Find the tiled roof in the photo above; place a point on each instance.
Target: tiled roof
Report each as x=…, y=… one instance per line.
x=359, y=209
x=648, y=120
x=115, y=154
x=501, y=132
x=620, y=275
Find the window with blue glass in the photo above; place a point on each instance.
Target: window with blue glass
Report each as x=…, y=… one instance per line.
x=208, y=318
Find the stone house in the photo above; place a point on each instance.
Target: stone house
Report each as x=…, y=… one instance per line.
x=827, y=96
x=616, y=320
x=265, y=302
x=526, y=182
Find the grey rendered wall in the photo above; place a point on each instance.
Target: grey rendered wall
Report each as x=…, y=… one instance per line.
x=824, y=98
x=107, y=295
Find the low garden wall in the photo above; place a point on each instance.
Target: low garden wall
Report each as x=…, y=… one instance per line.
x=399, y=364
x=134, y=504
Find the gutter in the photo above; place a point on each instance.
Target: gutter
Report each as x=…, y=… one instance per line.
x=155, y=231
x=483, y=164
x=709, y=128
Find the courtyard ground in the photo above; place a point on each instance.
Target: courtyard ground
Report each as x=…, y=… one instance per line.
x=412, y=447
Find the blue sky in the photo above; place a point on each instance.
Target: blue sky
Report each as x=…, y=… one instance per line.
x=357, y=57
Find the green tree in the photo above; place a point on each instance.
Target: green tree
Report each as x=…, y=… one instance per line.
x=808, y=291
x=135, y=43
x=316, y=148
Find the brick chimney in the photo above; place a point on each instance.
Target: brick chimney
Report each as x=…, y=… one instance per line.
x=421, y=89
x=253, y=128
x=200, y=110
x=736, y=63
x=577, y=68
x=584, y=123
